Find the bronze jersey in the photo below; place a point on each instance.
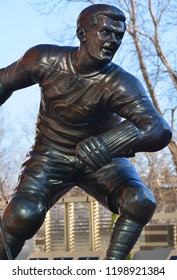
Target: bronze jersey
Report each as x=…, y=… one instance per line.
x=74, y=107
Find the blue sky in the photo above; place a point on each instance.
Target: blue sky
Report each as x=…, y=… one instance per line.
x=21, y=27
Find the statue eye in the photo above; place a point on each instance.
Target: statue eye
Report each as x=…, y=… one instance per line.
x=105, y=32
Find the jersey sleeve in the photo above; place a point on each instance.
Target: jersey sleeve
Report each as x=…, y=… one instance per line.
x=143, y=129
x=20, y=74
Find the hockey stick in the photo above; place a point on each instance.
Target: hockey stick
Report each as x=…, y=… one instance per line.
x=6, y=245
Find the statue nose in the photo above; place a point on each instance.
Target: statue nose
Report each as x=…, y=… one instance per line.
x=114, y=40
x=113, y=36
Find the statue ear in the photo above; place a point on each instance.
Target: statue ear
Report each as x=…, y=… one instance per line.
x=81, y=34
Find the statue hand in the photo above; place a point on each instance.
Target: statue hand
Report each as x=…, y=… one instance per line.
x=93, y=153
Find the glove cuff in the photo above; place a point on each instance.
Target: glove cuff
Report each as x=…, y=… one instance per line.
x=122, y=139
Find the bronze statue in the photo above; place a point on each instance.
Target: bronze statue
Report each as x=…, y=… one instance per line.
x=81, y=139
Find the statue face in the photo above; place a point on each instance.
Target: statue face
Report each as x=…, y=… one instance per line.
x=103, y=41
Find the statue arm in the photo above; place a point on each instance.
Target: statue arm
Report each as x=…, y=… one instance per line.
x=20, y=74
x=127, y=138
x=142, y=130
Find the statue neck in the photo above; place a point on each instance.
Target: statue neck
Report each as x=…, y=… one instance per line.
x=86, y=65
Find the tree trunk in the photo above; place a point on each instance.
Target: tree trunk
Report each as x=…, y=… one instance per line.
x=173, y=149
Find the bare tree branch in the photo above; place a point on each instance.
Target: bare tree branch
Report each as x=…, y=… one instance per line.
x=156, y=42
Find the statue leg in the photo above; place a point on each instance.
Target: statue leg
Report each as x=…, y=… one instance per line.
x=119, y=188
x=136, y=206
x=22, y=218
x=45, y=177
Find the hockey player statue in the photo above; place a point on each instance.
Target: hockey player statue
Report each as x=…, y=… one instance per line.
x=93, y=117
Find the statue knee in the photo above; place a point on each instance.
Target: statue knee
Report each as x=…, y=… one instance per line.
x=137, y=202
x=24, y=215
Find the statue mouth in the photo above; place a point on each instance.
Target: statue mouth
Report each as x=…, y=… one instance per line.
x=109, y=49
x=108, y=52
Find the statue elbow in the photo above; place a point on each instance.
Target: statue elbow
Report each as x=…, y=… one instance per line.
x=157, y=135
x=165, y=136
x=162, y=136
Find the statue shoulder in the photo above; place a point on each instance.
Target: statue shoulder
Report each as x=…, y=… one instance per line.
x=46, y=54
x=125, y=81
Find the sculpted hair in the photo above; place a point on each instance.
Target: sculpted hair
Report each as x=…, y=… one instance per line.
x=88, y=17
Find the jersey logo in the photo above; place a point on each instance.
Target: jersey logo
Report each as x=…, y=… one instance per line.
x=70, y=113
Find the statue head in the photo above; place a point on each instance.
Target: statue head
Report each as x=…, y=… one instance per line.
x=88, y=18
x=100, y=29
